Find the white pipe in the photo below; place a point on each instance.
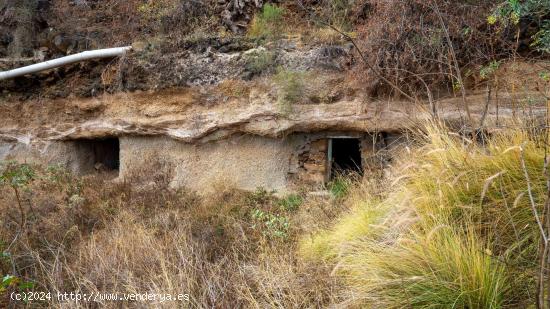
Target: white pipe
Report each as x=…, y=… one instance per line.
x=50, y=64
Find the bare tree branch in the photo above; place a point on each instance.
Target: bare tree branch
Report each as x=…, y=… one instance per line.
x=455, y=62
x=363, y=58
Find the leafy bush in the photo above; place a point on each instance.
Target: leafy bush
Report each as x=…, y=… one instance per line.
x=340, y=186
x=260, y=197
x=268, y=23
x=541, y=40
x=13, y=282
x=534, y=12
x=488, y=70
x=17, y=176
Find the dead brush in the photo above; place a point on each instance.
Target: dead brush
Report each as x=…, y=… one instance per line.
x=138, y=235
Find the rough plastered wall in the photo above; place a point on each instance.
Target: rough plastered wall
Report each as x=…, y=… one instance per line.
x=246, y=162
x=69, y=154
x=309, y=163
x=26, y=152
x=5, y=149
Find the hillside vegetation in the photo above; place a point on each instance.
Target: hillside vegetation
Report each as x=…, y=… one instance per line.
x=460, y=220
x=406, y=48
x=456, y=227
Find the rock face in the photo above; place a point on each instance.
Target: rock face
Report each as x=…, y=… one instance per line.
x=209, y=61
x=226, y=111
x=19, y=21
x=154, y=66
x=244, y=142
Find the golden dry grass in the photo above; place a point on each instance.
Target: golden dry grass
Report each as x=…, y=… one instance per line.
x=93, y=235
x=455, y=228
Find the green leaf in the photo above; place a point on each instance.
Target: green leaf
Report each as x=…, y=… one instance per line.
x=8, y=280
x=26, y=285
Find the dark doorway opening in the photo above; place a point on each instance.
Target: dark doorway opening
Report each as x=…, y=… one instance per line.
x=345, y=156
x=99, y=154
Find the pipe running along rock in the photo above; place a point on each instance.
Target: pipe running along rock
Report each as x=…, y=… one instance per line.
x=50, y=64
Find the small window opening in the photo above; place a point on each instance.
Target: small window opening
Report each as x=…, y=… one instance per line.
x=344, y=156
x=99, y=154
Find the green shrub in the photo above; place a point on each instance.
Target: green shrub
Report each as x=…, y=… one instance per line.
x=541, y=40
x=268, y=23
x=17, y=176
x=488, y=70
x=260, y=197
x=291, y=88
x=10, y=282
x=340, y=186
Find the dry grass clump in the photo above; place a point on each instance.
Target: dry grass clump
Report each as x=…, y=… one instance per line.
x=455, y=230
x=95, y=235
x=232, y=88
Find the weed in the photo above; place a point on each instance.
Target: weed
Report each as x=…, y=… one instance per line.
x=545, y=76
x=17, y=176
x=541, y=39
x=327, y=35
x=259, y=61
x=271, y=225
x=488, y=70
x=234, y=88
x=291, y=87
x=337, y=12
x=268, y=24
x=160, y=241
x=455, y=230
x=260, y=196
x=339, y=187
x=291, y=202
x=10, y=282
x=61, y=177
x=153, y=11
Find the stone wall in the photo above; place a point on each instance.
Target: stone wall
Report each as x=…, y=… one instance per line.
x=308, y=161
x=245, y=162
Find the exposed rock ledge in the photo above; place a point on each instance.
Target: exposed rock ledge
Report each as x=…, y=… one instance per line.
x=176, y=116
